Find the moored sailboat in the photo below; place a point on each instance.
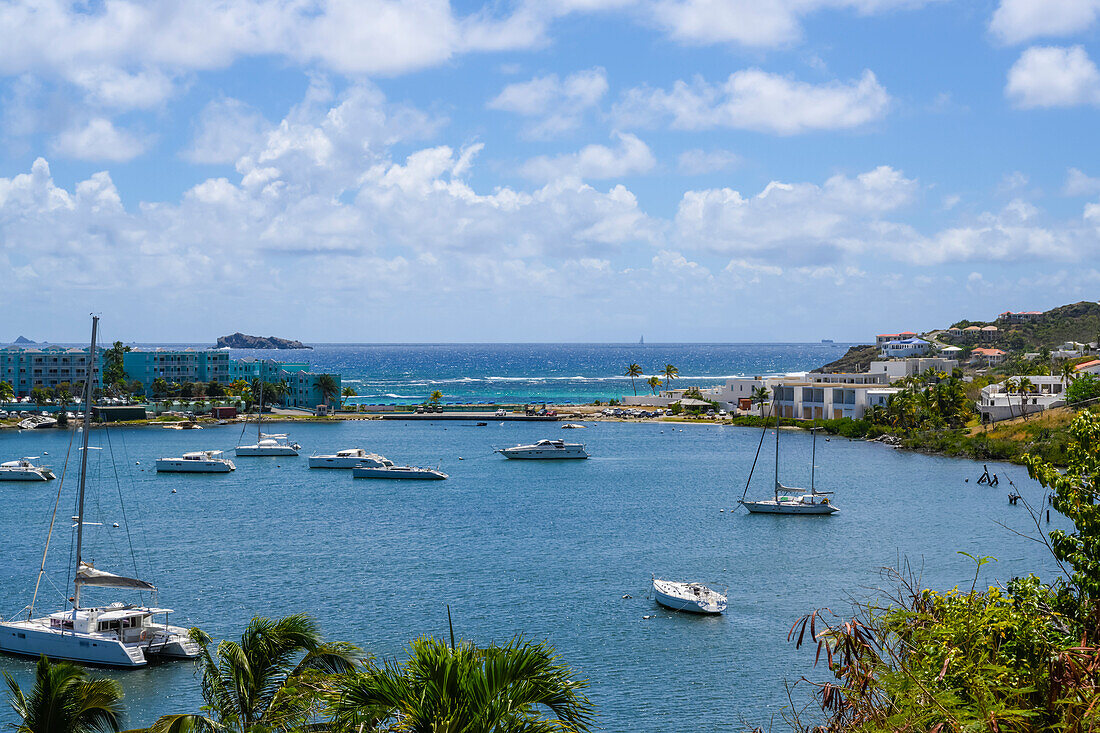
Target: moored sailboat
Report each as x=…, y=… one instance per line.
x=267, y=444
x=788, y=500
x=115, y=635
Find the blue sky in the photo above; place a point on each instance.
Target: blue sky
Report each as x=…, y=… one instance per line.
x=544, y=170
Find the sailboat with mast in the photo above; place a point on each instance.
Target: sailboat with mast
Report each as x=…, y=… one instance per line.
x=267, y=444
x=789, y=500
x=116, y=635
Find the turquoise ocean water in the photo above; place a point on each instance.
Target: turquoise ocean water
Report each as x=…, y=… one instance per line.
x=408, y=373
x=543, y=549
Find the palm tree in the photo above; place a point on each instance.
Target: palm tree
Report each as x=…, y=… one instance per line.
x=272, y=679
x=1010, y=389
x=1024, y=386
x=760, y=396
x=328, y=387
x=7, y=394
x=1067, y=370
x=65, y=699
x=671, y=373
x=435, y=397
x=634, y=371
x=347, y=392
x=465, y=688
x=654, y=382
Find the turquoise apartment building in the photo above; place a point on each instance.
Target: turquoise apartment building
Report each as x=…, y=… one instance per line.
x=48, y=366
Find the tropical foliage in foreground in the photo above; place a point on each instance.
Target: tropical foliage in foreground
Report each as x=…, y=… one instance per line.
x=521, y=686
x=65, y=699
x=281, y=676
x=1022, y=657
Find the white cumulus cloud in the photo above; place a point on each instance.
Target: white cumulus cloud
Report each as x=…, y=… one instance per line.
x=753, y=22
x=631, y=156
x=1080, y=184
x=697, y=162
x=1016, y=21
x=753, y=99
x=1050, y=76
x=99, y=139
x=224, y=131
x=559, y=104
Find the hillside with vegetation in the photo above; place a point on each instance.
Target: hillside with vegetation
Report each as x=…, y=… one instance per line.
x=1075, y=322
x=856, y=359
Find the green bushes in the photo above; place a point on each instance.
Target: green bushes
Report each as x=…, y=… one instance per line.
x=1022, y=657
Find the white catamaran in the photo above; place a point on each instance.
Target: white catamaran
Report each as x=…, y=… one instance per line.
x=116, y=635
x=789, y=500
x=267, y=444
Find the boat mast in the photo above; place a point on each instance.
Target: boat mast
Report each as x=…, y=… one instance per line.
x=260, y=414
x=813, y=456
x=776, y=451
x=84, y=461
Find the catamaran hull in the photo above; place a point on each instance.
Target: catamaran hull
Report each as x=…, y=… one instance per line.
x=25, y=476
x=22, y=640
x=425, y=475
x=253, y=451
x=165, y=465
x=771, y=507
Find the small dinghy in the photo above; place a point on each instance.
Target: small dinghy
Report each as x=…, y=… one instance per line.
x=690, y=597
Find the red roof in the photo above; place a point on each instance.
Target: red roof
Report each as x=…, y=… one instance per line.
x=988, y=352
x=1086, y=364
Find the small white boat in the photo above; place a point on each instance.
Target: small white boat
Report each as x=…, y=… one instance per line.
x=24, y=470
x=202, y=461
x=690, y=597
x=37, y=421
x=572, y=426
x=388, y=470
x=269, y=444
x=349, y=458
x=545, y=449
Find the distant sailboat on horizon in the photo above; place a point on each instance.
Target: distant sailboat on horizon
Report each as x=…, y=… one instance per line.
x=641, y=341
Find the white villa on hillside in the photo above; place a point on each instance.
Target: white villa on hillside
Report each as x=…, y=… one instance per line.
x=997, y=404
x=904, y=348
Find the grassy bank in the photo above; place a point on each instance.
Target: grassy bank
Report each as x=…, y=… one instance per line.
x=1044, y=435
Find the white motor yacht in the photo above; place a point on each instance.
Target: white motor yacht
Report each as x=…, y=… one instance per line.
x=115, y=635
x=690, y=597
x=349, y=458
x=388, y=470
x=546, y=449
x=24, y=470
x=200, y=461
x=269, y=444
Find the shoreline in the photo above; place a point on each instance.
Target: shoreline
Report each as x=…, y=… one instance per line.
x=1001, y=442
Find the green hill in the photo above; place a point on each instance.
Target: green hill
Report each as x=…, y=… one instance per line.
x=856, y=359
x=1074, y=322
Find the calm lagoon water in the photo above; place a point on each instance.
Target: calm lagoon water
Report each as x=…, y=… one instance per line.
x=545, y=549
